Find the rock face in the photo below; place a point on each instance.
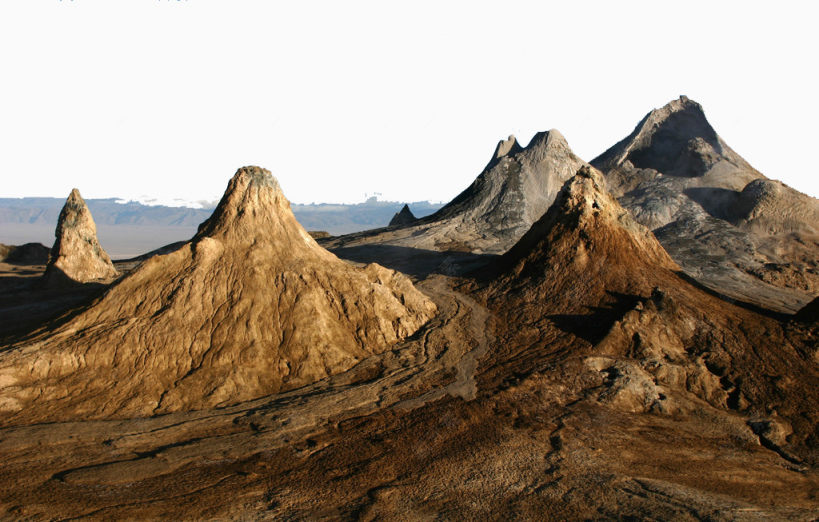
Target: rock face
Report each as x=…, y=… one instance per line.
x=77, y=254
x=403, y=217
x=251, y=306
x=513, y=191
x=728, y=226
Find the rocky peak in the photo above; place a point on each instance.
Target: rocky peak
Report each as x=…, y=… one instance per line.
x=585, y=220
x=550, y=139
x=77, y=254
x=404, y=217
x=253, y=202
x=511, y=193
x=675, y=139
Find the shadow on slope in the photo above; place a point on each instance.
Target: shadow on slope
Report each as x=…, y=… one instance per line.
x=29, y=306
x=718, y=202
x=415, y=262
x=592, y=327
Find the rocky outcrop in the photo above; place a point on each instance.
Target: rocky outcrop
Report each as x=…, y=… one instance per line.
x=251, y=306
x=726, y=224
x=515, y=188
x=77, y=255
x=403, y=217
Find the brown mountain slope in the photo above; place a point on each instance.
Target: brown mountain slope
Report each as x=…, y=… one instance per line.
x=728, y=226
x=77, y=254
x=657, y=343
x=251, y=306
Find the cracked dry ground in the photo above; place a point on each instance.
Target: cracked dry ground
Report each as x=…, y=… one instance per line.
x=461, y=421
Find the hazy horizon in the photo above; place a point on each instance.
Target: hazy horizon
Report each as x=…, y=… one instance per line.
x=166, y=100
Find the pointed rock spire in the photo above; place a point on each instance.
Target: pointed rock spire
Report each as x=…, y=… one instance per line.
x=77, y=254
x=404, y=217
x=551, y=139
x=719, y=218
x=253, y=207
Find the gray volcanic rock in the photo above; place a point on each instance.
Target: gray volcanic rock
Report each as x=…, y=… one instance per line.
x=514, y=190
x=770, y=207
x=728, y=226
x=77, y=254
x=404, y=217
x=249, y=307
x=677, y=140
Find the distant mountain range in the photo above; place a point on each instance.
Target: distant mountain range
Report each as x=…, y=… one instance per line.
x=332, y=217
x=132, y=228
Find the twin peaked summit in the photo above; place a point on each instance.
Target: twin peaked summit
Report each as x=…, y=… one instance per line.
x=512, y=192
x=250, y=306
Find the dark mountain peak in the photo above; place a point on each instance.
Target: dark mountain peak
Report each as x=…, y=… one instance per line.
x=675, y=139
x=403, y=217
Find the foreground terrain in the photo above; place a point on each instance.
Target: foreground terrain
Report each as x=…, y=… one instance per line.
x=422, y=430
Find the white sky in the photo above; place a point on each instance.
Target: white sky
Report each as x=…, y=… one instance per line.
x=167, y=98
